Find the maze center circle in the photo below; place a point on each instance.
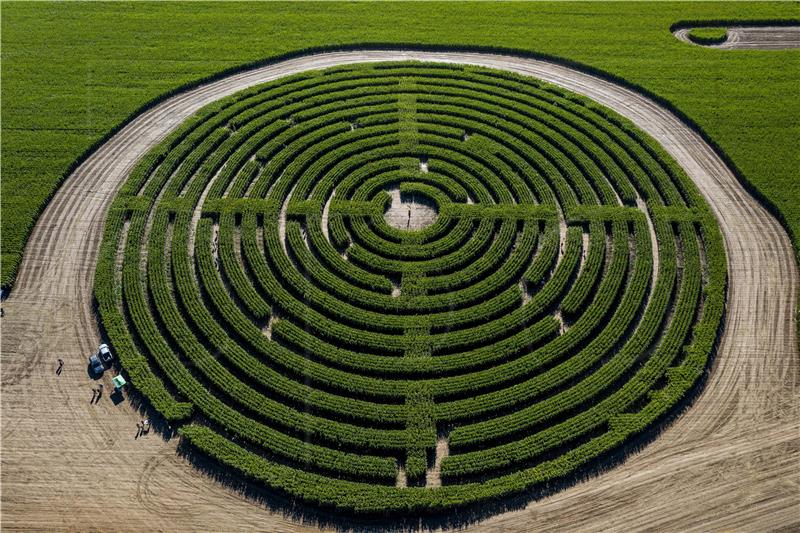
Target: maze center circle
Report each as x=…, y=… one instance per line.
x=401, y=287
x=410, y=212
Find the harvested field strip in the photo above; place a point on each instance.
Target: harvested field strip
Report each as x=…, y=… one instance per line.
x=746, y=38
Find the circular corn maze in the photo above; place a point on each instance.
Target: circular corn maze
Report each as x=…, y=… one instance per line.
x=395, y=287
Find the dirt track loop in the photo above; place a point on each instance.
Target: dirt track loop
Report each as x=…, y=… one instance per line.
x=752, y=38
x=732, y=461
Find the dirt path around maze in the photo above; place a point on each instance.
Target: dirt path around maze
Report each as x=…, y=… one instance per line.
x=751, y=38
x=732, y=461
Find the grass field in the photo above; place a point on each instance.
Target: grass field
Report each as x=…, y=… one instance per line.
x=71, y=72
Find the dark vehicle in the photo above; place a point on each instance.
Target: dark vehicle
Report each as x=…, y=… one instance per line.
x=105, y=353
x=95, y=365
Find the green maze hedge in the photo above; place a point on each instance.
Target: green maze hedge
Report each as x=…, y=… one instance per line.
x=566, y=298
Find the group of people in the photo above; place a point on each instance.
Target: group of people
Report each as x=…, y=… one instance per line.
x=142, y=428
x=97, y=393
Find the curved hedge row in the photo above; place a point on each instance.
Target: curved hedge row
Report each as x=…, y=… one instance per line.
x=260, y=293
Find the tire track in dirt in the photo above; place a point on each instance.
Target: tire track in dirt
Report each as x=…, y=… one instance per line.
x=751, y=38
x=731, y=461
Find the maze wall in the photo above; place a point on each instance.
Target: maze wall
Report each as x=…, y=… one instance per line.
x=410, y=287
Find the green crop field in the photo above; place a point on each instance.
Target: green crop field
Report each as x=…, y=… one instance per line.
x=395, y=288
x=72, y=72
x=282, y=308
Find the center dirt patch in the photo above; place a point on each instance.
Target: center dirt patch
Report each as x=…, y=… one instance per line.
x=408, y=212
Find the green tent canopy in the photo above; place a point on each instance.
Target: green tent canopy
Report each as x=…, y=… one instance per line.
x=118, y=381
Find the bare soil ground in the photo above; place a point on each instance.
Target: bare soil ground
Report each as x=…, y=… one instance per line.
x=753, y=38
x=408, y=214
x=732, y=461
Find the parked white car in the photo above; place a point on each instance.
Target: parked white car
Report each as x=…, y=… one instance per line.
x=105, y=353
